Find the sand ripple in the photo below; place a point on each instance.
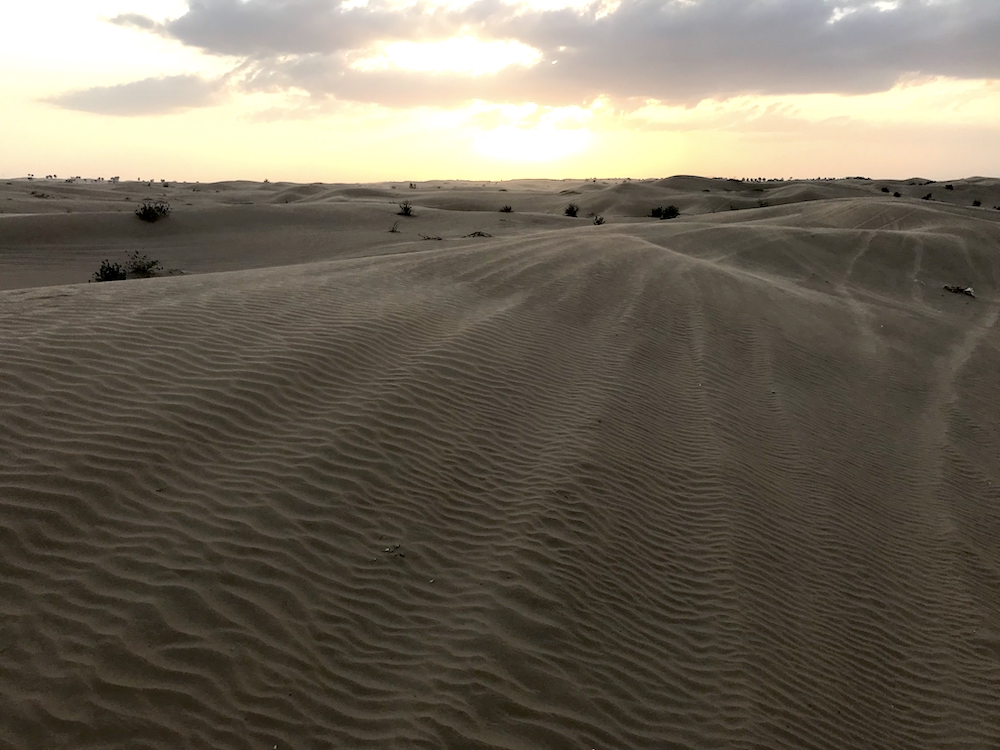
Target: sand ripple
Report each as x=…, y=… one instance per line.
x=699, y=486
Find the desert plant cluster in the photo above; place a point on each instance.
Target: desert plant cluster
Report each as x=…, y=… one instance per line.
x=153, y=210
x=665, y=212
x=136, y=267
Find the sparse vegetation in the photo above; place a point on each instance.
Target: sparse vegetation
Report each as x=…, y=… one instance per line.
x=405, y=209
x=141, y=267
x=763, y=203
x=949, y=187
x=977, y=204
x=897, y=195
x=506, y=210
x=136, y=266
x=572, y=210
x=109, y=272
x=394, y=229
x=669, y=212
x=927, y=197
x=153, y=210
x=598, y=220
x=885, y=190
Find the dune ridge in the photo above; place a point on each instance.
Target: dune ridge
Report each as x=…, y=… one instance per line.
x=723, y=481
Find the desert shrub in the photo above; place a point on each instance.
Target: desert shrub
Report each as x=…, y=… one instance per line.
x=763, y=203
x=153, y=210
x=977, y=204
x=897, y=195
x=572, y=210
x=506, y=210
x=109, y=272
x=405, y=209
x=394, y=229
x=666, y=212
x=949, y=187
x=885, y=190
x=598, y=220
x=927, y=197
x=142, y=266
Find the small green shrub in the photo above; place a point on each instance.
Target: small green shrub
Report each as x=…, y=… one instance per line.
x=109, y=272
x=153, y=210
x=405, y=209
x=572, y=210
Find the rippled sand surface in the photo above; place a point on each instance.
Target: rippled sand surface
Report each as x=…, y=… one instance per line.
x=726, y=481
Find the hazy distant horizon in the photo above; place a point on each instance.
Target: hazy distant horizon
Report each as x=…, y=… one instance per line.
x=59, y=177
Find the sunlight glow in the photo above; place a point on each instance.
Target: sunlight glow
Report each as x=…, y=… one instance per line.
x=465, y=54
x=882, y=6
x=934, y=100
x=539, y=144
x=530, y=133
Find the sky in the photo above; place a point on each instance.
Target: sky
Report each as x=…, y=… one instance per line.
x=371, y=90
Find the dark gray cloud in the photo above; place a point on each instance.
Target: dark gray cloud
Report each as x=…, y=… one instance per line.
x=673, y=50
x=151, y=96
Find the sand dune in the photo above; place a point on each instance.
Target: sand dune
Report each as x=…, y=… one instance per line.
x=726, y=481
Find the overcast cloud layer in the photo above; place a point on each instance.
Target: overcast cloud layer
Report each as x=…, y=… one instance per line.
x=670, y=50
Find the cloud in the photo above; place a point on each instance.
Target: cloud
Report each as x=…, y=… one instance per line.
x=151, y=96
x=135, y=20
x=668, y=50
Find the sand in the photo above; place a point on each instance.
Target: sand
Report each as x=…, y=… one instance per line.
x=725, y=481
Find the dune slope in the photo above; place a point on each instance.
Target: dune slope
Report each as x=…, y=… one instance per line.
x=721, y=483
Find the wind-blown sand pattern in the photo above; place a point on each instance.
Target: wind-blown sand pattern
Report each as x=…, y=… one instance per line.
x=726, y=481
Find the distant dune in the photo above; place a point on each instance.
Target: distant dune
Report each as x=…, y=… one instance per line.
x=730, y=480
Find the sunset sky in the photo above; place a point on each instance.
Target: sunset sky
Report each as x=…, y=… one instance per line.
x=366, y=90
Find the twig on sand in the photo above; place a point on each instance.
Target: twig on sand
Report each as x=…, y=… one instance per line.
x=479, y=234
x=424, y=236
x=966, y=290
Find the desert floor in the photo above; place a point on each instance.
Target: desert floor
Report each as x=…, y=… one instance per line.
x=730, y=480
